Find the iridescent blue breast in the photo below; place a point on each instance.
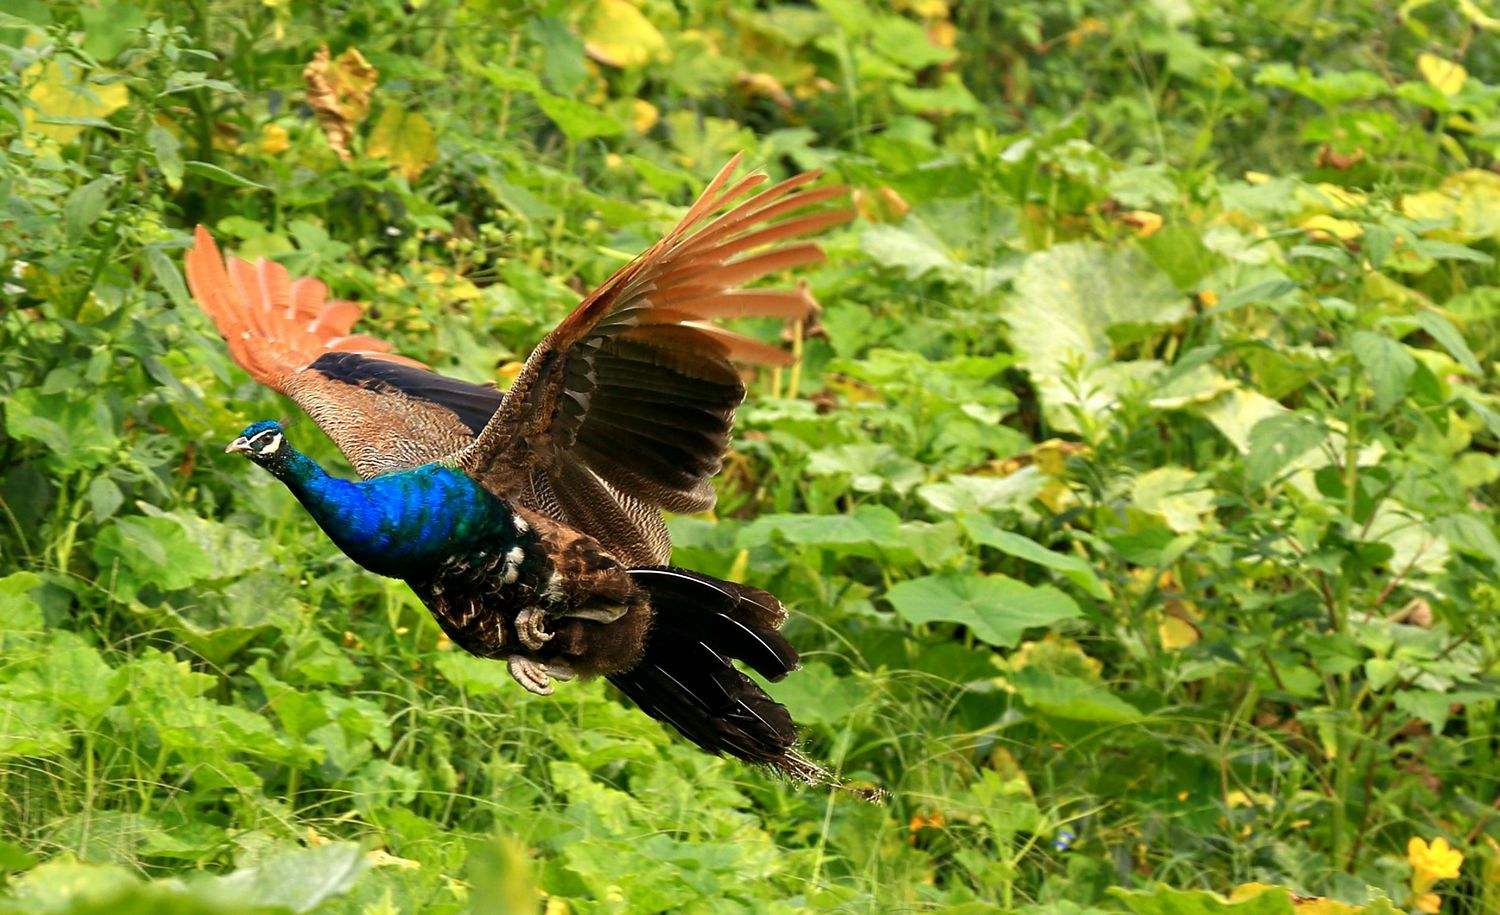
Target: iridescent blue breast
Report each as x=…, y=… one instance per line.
x=403, y=524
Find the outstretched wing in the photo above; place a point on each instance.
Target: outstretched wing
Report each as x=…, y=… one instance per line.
x=635, y=391
x=384, y=411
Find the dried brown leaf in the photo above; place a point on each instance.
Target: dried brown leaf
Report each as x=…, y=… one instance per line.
x=338, y=91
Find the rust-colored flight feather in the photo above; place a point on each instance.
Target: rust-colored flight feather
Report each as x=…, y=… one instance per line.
x=273, y=325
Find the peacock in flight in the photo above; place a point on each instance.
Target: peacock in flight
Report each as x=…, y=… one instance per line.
x=529, y=522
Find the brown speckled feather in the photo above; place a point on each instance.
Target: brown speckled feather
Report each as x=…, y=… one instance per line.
x=290, y=338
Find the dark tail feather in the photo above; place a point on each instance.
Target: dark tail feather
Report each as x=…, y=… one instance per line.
x=688, y=680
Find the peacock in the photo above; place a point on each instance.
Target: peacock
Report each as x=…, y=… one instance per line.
x=529, y=522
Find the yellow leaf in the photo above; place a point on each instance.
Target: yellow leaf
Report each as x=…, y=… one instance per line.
x=1176, y=634
x=1324, y=226
x=405, y=139
x=764, y=84
x=1144, y=222
x=1478, y=16
x=617, y=34
x=64, y=90
x=1469, y=201
x=338, y=91
x=379, y=857
x=643, y=115
x=1445, y=76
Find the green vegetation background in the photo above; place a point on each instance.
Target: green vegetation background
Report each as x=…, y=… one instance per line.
x=1135, y=497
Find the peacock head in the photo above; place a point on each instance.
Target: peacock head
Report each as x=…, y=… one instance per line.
x=263, y=442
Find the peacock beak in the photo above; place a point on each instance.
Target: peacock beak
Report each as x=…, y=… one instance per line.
x=240, y=445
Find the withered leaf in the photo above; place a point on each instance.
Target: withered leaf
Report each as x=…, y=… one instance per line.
x=338, y=91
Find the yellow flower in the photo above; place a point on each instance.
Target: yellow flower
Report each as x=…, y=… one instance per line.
x=1431, y=863
x=1429, y=903
x=273, y=139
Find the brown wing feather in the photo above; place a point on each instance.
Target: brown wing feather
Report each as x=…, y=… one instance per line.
x=635, y=392
x=384, y=411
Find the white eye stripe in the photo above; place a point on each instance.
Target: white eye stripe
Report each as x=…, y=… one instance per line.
x=273, y=447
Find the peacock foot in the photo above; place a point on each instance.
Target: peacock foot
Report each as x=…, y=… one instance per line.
x=536, y=676
x=529, y=628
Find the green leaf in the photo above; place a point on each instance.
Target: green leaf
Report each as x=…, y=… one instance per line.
x=1175, y=494
x=577, y=119
x=1067, y=300
x=14, y=858
x=1442, y=330
x=1277, y=441
x=300, y=880
x=18, y=611
x=169, y=277
x=105, y=498
x=476, y=676
x=86, y=204
x=221, y=176
x=1388, y=365
x=816, y=695
x=1060, y=696
x=168, y=150
x=1165, y=900
x=563, y=66
x=983, y=530
x=917, y=250
x=996, y=609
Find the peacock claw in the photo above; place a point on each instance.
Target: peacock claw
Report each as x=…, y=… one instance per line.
x=529, y=628
x=537, y=676
x=532, y=675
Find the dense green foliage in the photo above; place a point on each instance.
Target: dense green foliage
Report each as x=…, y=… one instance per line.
x=1135, y=497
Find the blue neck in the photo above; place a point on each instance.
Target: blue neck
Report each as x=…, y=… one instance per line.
x=398, y=524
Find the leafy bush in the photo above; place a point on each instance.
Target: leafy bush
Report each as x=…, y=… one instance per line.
x=1135, y=494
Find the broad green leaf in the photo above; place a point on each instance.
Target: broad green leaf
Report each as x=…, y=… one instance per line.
x=173, y=551
x=983, y=530
x=77, y=432
x=971, y=493
x=1277, y=441
x=299, y=881
x=562, y=54
x=914, y=248
x=1073, y=698
x=1175, y=494
x=477, y=676
x=107, y=27
x=1388, y=365
x=816, y=695
x=86, y=204
x=995, y=608
x=578, y=120
x=1236, y=413
x=18, y=611
x=1067, y=300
